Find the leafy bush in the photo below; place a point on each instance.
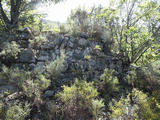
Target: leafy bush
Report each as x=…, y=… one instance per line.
x=10, y=50
x=42, y=82
x=30, y=89
x=137, y=105
x=40, y=79
x=84, y=91
x=85, y=21
x=78, y=21
x=97, y=47
x=145, y=77
x=87, y=57
x=38, y=41
x=108, y=83
x=54, y=68
x=97, y=106
x=80, y=97
x=14, y=76
x=15, y=111
x=31, y=85
x=34, y=87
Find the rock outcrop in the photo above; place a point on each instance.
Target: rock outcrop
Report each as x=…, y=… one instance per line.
x=83, y=59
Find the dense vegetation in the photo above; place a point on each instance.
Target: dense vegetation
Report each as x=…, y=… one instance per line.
x=128, y=30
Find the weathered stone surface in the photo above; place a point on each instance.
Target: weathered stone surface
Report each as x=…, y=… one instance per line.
x=8, y=88
x=27, y=56
x=48, y=93
x=83, y=42
x=43, y=58
x=76, y=64
x=84, y=35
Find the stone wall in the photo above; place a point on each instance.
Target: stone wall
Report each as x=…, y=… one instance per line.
x=85, y=59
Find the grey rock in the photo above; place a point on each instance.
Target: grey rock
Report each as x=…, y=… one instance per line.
x=25, y=33
x=27, y=56
x=53, y=56
x=70, y=44
x=40, y=65
x=25, y=29
x=48, y=93
x=43, y=53
x=32, y=66
x=74, y=65
x=78, y=54
x=58, y=41
x=45, y=46
x=72, y=39
x=43, y=58
x=8, y=88
x=84, y=35
x=87, y=51
x=51, y=45
x=57, y=52
x=83, y=42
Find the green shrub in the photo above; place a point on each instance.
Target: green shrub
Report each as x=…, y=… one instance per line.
x=15, y=111
x=108, y=85
x=35, y=86
x=14, y=76
x=10, y=50
x=31, y=90
x=42, y=82
x=137, y=105
x=38, y=41
x=81, y=90
x=54, y=68
x=31, y=85
x=145, y=77
x=97, y=106
x=109, y=80
x=97, y=47
x=40, y=79
x=87, y=57
x=79, y=97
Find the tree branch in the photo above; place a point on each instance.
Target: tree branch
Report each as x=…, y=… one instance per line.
x=140, y=52
x=4, y=16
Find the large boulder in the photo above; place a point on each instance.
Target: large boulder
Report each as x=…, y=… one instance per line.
x=27, y=56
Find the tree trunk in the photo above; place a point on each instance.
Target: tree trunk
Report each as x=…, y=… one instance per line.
x=14, y=13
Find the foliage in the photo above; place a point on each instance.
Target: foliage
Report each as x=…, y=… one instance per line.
x=132, y=31
x=129, y=27
x=32, y=85
x=80, y=90
x=97, y=47
x=137, y=105
x=81, y=95
x=19, y=13
x=109, y=82
x=16, y=111
x=10, y=50
x=144, y=77
x=108, y=86
x=97, y=106
x=87, y=57
x=54, y=68
x=77, y=21
x=85, y=21
x=14, y=76
x=42, y=82
x=38, y=41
